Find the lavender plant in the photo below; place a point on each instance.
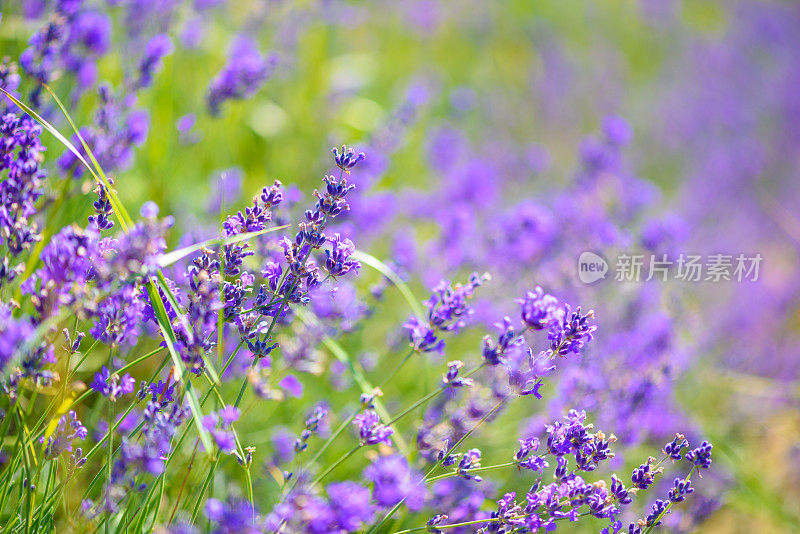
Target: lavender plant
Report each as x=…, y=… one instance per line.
x=191, y=343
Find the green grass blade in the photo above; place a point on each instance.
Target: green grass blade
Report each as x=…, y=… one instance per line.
x=180, y=370
x=169, y=258
x=394, y=278
x=119, y=208
x=66, y=142
x=358, y=375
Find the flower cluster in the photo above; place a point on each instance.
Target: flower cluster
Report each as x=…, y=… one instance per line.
x=245, y=72
x=447, y=311
x=370, y=428
x=22, y=184
x=218, y=425
x=69, y=429
x=234, y=324
x=311, y=427
x=73, y=40
x=113, y=386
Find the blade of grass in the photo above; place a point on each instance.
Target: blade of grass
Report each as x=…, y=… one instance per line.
x=120, y=211
x=66, y=142
x=358, y=375
x=169, y=258
x=393, y=277
x=180, y=369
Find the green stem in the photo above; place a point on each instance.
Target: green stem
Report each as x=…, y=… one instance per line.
x=473, y=470
x=336, y=464
x=396, y=507
x=666, y=510
x=206, y=483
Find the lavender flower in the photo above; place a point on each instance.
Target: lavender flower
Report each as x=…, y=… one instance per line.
x=469, y=460
x=393, y=481
x=233, y=516
x=73, y=41
x=494, y=351
x=219, y=424
x=118, y=317
x=370, y=429
x=13, y=334
x=680, y=489
x=451, y=378
x=69, y=429
x=102, y=208
x=448, y=308
x=158, y=47
x=21, y=153
x=644, y=475
x=700, y=456
x=311, y=427
x=673, y=448
x=350, y=505
x=422, y=337
x=347, y=159
x=572, y=334
x=113, y=386
x=539, y=310
x=337, y=259
x=245, y=72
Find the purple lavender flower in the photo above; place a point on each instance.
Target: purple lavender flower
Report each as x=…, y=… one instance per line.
x=451, y=378
x=311, y=427
x=422, y=337
x=539, y=310
x=245, y=72
x=619, y=492
x=644, y=475
x=69, y=429
x=68, y=262
x=113, y=386
x=448, y=306
x=673, y=448
x=394, y=481
x=118, y=317
x=526, y=447
x=234, y=516
x=469, y=460
x=337, y=259
x=495, y=351
x=116, y=129
x=435, y=521
x=20, y=156
x=572, y=334
x=351, y=506
x=659, y=509
x=525, y=371
x=680, y=489
x=218, y=424
x=371, y=430
x=9, y=80
x=701, y=455
x=156, y=49
x=135, y=253
x=73, y=41
x=348, y=158
x=102, y=208
x=13, y=334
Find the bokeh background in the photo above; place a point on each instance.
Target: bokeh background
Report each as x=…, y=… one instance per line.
x=508, y=137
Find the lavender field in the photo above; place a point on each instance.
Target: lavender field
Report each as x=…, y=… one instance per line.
x=435, y=266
